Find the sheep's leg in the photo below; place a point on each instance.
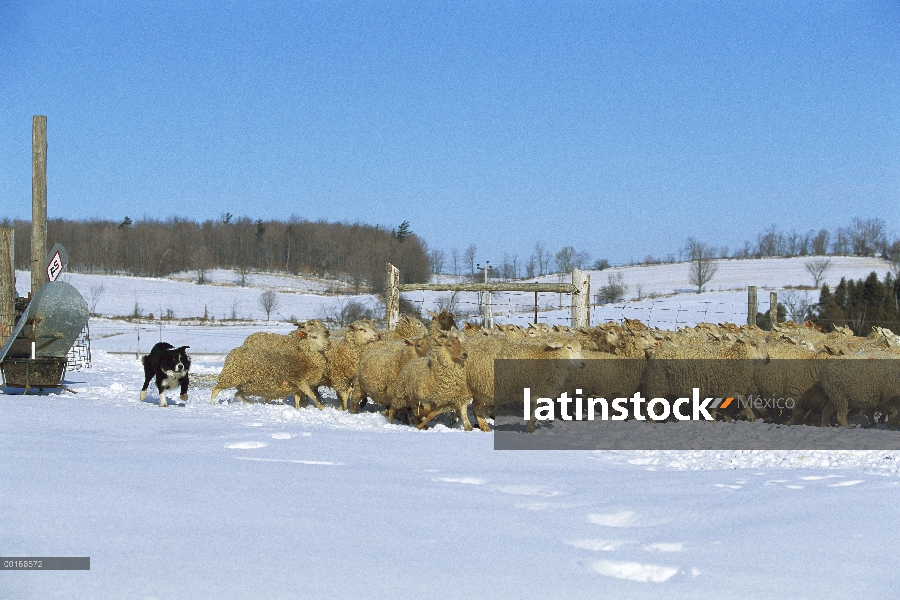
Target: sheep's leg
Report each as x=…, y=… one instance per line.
x=390, y=414
x=893, y=421
x=827, y=412
x=428, y=418
x=842, y=411
x=215, y=392
x=464, y=416
x=478, y=409
x=307, y=392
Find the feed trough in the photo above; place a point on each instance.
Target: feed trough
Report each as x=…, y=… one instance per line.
x=35, y=353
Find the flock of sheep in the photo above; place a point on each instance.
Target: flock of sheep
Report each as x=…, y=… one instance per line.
x=417, y=372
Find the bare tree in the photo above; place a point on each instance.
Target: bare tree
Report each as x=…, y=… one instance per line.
x=817, y=268
x=437, y=261
x=703, y=263
x=799, y=307
x=614, y=290
x=454, y=256
x=469, y=258
x=268, y=301
x=565, y=259
x=96, y=293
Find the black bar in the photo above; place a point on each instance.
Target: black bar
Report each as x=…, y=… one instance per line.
x=45, y=563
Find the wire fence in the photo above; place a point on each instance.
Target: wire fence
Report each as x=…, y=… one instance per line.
x=551, y=308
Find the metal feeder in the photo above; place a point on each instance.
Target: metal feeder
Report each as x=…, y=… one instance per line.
x=35, y=353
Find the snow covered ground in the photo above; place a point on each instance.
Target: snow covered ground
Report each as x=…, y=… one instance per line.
x=263, y=501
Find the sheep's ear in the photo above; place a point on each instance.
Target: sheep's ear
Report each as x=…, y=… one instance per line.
x=553, y=345
x=434, y=315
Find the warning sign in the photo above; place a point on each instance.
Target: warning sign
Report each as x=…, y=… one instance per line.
x=54, y=267
x=56, y=262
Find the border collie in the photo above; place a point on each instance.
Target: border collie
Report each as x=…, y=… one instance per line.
x=170, y=366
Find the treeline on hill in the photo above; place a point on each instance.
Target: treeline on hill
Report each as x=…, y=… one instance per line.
x=355, y=253
x=861, y=304
x=863, y=237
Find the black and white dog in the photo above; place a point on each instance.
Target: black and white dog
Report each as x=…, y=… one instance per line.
x=170, y=366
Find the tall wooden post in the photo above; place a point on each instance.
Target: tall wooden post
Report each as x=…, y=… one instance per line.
x=488, y=301
x=581, y=299
x=392, y=297
x=773, y=308
x=7, y=282
x=38, y=201
x=751, y=305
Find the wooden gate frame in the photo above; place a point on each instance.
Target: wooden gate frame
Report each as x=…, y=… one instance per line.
x=580, y=289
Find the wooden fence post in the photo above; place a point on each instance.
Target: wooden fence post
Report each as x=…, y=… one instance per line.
x=38, y=201
x=751, y=305
x=392, y=297
x=581, y=299
x=488, y=301
x=773, y=308
x=7, y=282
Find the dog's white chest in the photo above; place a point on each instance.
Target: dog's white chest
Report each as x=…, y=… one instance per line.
x=172, y=379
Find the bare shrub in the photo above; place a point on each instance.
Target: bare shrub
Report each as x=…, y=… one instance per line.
x=817, y=268
x=268, y=301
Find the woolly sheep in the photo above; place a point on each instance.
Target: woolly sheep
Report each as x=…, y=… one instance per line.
x=547, y=381
x=342, y=360
x=792, y=373
x=381, y=364
x=271, y=374
x=717, y=368
x=434, y=384
x=864, y=384
x=442, y=321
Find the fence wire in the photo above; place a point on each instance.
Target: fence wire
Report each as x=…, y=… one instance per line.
x=552, y=308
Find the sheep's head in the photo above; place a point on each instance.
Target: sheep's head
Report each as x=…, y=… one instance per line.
x=364, y=331
x=453, y=347
x=422, y=346
x=754, y=348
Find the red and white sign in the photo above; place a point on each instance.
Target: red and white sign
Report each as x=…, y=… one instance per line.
x=54, y=267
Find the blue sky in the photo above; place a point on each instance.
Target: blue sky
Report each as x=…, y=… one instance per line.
x=620, y=128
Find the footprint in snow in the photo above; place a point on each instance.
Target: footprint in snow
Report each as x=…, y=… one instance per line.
x=246, y=445
x=634, y=571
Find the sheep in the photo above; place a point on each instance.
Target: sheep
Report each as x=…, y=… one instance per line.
x=311, y=326
x=299, y=340
x=407, y=327
x=715, y=368
x=312, y=341
x=614, y=375
x=864, y=384
x=547, y=381
x=442, y=321
x=271, y=374
x=792, y=373
x=436, y=382
x=342, y=360
x=381, y=364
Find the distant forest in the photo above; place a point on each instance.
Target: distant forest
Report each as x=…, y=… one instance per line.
x=355, y=253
